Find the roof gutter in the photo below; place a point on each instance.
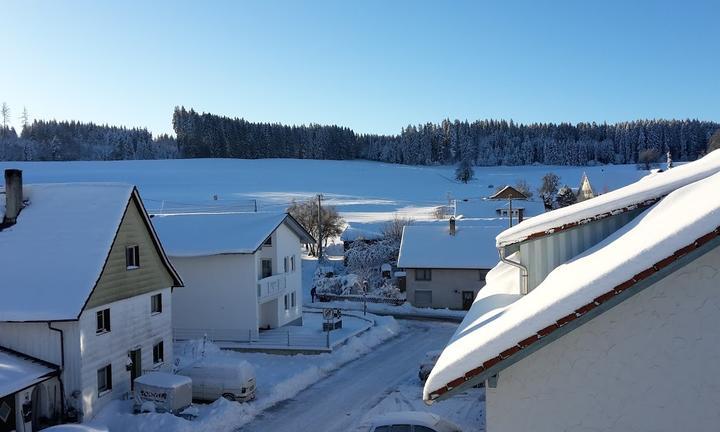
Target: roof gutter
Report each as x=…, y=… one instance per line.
x=523, y=270
x=62, y=368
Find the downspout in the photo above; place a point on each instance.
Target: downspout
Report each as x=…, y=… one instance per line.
x=62, y=369
x=523, y=270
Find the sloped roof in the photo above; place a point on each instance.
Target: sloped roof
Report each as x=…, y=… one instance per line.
x=432, y=246
x=18, y=372
x=55, y=253
x=205, y=234
x=639, y=194
x=658, y=237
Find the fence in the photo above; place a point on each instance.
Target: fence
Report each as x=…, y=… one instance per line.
x=360, y=298
x=280, y=337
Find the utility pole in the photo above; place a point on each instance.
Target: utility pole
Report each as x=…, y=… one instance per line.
x=319, y=203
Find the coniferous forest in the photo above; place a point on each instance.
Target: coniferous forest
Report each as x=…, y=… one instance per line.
x=483, y=142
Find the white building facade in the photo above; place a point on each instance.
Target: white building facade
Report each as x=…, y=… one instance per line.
x=242, y=273
x=89, y=292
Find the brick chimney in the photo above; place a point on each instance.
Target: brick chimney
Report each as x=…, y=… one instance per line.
x=13, y=196
x=452, y=226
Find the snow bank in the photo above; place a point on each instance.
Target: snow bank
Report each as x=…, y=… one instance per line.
x=278, y=378
x=683, y=216
x=58, y=248
x=650, y=187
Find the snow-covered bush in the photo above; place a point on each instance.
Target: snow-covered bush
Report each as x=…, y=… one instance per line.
x=364, y=259
x=388, y=289
x=339, y=285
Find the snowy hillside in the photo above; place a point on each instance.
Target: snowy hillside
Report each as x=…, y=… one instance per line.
x=364, y=192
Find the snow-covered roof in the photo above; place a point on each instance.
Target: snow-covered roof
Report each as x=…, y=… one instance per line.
x=18, y=372
x=432, y=246
x=205, y=234
x=685, y=218
x=352, y=233
x=645, y=191
x=55, y=253
x=164, y=380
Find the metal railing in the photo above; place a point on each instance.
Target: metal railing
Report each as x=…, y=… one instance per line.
x=280, y=337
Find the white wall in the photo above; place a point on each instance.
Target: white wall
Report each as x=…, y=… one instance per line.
x=652, y=363
x=287, y=244
x=132, y=326
x=220, y=293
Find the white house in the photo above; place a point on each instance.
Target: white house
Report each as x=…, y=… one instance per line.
x=241, y=271
x=445, y=264
x=602, y=315
x=85, y=286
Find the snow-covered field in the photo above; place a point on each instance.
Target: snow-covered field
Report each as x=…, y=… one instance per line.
x=365, y=192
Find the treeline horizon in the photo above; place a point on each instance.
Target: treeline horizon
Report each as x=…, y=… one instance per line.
x=481, y=142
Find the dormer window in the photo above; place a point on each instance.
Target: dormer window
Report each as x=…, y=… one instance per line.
x=132, y=257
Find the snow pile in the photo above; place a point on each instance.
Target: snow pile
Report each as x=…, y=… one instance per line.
x=432, y=246
x=683, y=216
x=204, y=234
x=58, y=248
x=651, y=187
x=278, y=377
x=17, y=373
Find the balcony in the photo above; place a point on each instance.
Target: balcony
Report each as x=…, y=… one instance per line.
x=271, y=286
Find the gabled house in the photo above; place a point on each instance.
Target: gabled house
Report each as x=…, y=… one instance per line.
x=445, y=264
x=601, y=315
x=242, y=272
x=86, y=288
x=585, y=191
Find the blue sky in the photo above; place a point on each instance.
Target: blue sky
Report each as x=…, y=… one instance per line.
x=374, y=66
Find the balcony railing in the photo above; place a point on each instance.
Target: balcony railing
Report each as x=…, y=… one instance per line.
x=271, y=286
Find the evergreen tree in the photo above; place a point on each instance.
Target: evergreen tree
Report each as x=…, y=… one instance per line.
x=464, y=171
x=565, y=197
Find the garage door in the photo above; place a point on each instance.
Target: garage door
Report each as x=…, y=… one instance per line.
x=423, y=298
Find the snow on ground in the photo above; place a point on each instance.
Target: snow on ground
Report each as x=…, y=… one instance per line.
x=278, y=377
x=363, y=191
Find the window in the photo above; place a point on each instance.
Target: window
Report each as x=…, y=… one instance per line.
x=423, y=274
x=132, y=257
x=103, y=321
x=156, y=304
x=382, y=429
x=158, y=353
x=482, y=274
x=417, y=428
x=285, y=264
x=292, y=299
x=268, y=241
x=292, y=263
x=286, y=302
x=104, y=379
x=266, y=268
x=400, y=428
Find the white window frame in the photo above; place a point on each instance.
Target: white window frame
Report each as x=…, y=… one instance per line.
x=107, y=372
x=132, y=257
x=161, y=345
x=152, y=304
x=105, y=326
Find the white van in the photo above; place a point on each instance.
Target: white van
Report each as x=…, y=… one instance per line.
x=210, y=381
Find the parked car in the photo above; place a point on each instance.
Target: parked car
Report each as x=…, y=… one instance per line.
x=162, y=392
x=427, y=364
x=233, y=381
x=411, y=421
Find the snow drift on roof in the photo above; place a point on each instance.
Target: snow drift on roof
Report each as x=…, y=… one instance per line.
x=648, y=188
x=205, y=234
x=55, y=253
x=678, y=220
x=17, y=373
x=432, y=246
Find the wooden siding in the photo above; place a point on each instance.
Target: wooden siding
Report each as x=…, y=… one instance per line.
x=116, y=281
